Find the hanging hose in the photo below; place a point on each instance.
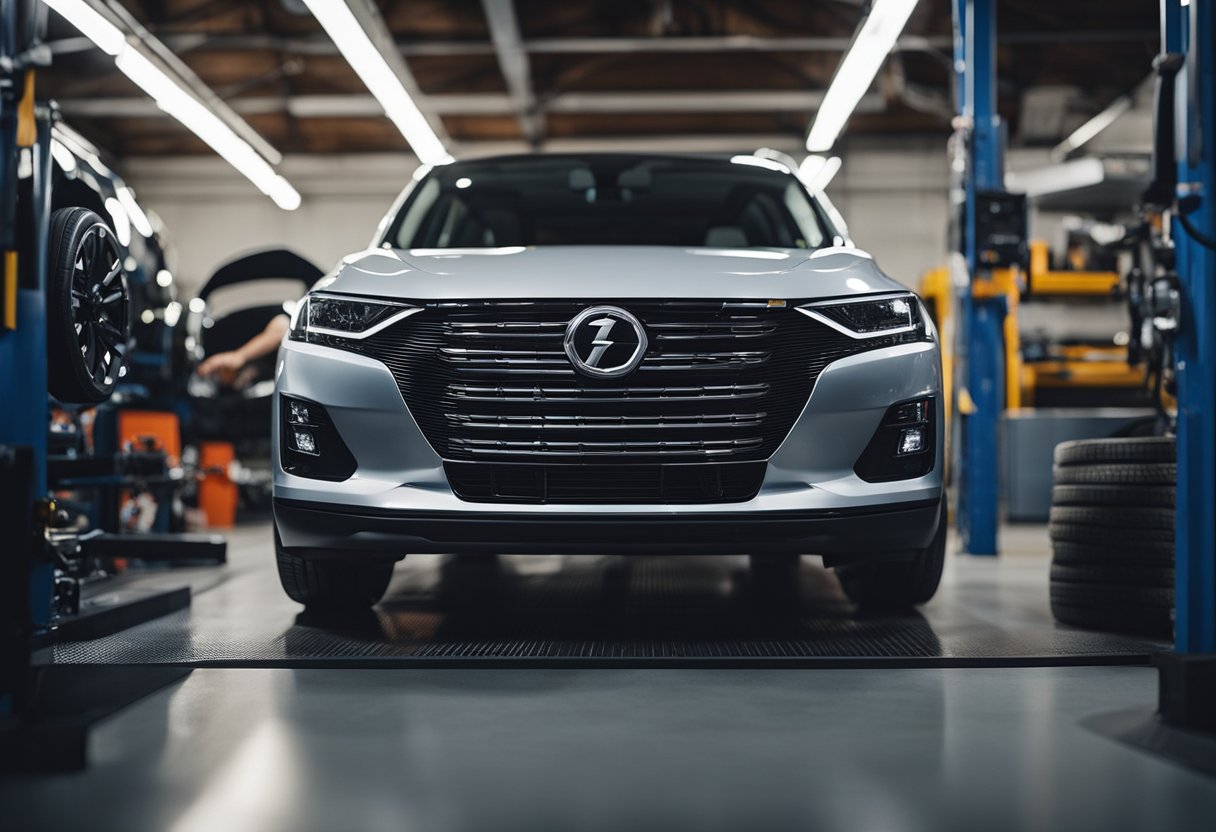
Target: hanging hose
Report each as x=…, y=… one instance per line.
x=1197, y=235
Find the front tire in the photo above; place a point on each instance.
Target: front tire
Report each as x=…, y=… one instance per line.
x=331, y=584
x=899, y=585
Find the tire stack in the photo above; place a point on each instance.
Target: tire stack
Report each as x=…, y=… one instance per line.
x=1112, y=534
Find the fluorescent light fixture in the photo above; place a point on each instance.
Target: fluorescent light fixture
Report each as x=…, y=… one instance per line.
x=108, y=37
x=422, y=170
x=122, y=223
x=209, y=127
x=367, y=62
x=1055, y=179
x=817, y=171
x=1087, y=131
x=63, y=156
x=856, y=72
x=175, y=100
x=78, y=147
x=759, y=162
x=138, y=218
x=810, y=168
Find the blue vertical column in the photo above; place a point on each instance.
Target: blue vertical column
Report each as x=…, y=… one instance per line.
x=1193, y=30
x=23, y=418
x=981, y=318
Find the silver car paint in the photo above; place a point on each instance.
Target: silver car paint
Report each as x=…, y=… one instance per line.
x=812, y=469
x=608, y=272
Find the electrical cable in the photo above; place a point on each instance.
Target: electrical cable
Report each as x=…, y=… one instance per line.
x=1197, y=235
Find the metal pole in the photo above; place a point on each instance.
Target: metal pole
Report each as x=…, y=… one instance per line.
x=981, y=318
x=1193, y=30
x=23, y=238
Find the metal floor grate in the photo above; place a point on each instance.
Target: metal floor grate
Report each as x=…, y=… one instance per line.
x=608, y=611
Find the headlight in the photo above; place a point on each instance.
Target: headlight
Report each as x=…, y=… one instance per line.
x=323, y=317
x=874, y=317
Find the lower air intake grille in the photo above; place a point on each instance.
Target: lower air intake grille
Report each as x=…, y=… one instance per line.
x=610, y=484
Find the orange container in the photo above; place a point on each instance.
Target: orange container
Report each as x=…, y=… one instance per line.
x=136, y=425
x=217, y=495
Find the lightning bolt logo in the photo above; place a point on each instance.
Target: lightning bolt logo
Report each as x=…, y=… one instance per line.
x=600, y=343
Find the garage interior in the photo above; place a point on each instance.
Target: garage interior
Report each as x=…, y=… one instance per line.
x=1041, y=175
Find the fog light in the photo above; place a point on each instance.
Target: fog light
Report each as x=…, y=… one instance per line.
x=907, y=413
x=298, y=414
x=305, y=442
x=912, y=441
x=902, y=447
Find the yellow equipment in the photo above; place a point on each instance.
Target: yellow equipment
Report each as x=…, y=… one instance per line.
x=1073, y=282
x=1093, y=367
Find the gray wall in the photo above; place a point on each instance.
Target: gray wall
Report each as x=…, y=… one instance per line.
x=893, y=194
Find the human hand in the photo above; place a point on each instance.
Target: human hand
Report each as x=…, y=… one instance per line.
x=223, y=367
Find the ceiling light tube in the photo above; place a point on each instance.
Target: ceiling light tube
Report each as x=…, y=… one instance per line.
x=177, y=101
x=139, y=220
x=121, y=222
x=874, y=41
x=365, y=59
x=67, y=162
x=108, y=37
x=817, y=171
x=1087, y=131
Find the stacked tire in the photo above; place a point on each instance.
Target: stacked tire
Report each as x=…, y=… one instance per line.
x=1112, y=534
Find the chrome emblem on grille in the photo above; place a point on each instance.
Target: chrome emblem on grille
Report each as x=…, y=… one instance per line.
x=605, y=342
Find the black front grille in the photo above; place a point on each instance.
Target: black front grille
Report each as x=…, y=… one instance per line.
x=508, y=482
x=721, y=382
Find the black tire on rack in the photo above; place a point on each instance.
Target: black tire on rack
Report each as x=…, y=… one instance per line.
x=88, y=309
x=1140, y=609
x=1114, y=538
x=1114, y=517
x=1112, y=534
x=1112, y=496
x=1119, y=596
x=1160, y=554
x=1132, y=451
x=1153, y=575
x=1153, y=622
x=1156, y=473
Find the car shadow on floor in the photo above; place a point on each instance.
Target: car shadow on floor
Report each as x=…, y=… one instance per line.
x=605, y=607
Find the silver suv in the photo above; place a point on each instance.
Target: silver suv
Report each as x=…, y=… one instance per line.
x=636, y=354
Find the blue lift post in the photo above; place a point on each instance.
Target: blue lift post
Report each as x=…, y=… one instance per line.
x=23, y=418
x=1192, y=30
x=981, y=319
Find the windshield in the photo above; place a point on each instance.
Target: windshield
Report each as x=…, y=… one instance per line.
x=608, y=200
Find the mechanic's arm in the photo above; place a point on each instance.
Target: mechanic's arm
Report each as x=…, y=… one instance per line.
x=227, y=364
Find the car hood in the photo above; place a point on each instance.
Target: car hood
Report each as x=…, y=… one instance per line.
x=606, y=272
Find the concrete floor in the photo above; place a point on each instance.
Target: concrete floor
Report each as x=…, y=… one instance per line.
x=945, y=748
x=903, y=749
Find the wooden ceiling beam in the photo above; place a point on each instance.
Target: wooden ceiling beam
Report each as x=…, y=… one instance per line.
x=347, y=106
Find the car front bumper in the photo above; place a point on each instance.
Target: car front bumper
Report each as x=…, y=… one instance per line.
x=811, y=500
x=320, y=530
